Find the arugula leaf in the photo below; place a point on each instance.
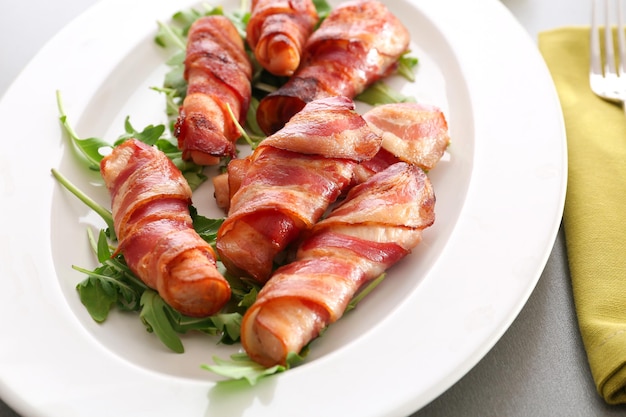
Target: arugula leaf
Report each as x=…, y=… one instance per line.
x=205, y=227
x=170, y=36
x=251, y=123
x=406, y=66
x=149, y=135
x=185, y=18
x=183, y=324
x=225, y=325
x=244, y=290
x=242, y=367
x=102, y=247
x=368, y=288
x=97, y=299
x=104, y=213
x=380, y=93
x=103, y=288
x=240, y=19
x=174, y=35
x=93, y=149
x=167, y=323
x=253, y=142
x=229, y=324
x=323, y=9
x=248, y=298
x=153, y=314
x=110, y=283
x=90, y=149
x=193, y=173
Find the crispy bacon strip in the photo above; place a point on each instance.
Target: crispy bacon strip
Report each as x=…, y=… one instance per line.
x=290, y=180
x=378, y=224
x=150, y=200
x=218, y=73
x=357, y=44
x=277, y=31
x=415, y=133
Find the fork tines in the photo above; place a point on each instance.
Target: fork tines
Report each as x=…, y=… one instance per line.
x=606, y=15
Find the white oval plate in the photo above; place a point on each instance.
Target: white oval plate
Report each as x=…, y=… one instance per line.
x=500, y=193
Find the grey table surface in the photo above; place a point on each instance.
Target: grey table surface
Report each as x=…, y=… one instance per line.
x=538, y=368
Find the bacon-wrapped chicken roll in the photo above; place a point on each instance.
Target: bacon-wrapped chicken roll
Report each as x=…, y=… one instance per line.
x=277, y=32
x=357, y=44
x=415, y=133
x=150, y=206
x=378, y=224
x=218, y=73
x=290, y=180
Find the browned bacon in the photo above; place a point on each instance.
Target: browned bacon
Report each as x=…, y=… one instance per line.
x=218, y=73
x=357, y=44
x=150, y=200
x=415, y=133
x=290, y=180
x=277, y=31
x=378, y=224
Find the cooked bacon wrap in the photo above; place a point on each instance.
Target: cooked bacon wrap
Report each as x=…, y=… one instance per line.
x=150, y=207
x=378, y=224
x=357, y=44
x=277, y=32
x=218, y=73
x=415, y=133
x=289, y=182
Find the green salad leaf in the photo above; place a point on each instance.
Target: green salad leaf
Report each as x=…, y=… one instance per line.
x=406, y=66
x=240, y=366
x=97, y=298
x=366, y=290
x=93, y=150
x=323, y=8
x=206, y=228
x=381, y=93
x=154, y=316
x=103, y=212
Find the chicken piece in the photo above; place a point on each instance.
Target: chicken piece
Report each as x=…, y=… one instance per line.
x=150, y=205
x=277, y=32
x=218, y=73
x=357, y=44
x=289, y=182
x=377, y=225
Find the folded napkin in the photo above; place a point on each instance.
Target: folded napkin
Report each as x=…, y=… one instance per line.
x=595, y=208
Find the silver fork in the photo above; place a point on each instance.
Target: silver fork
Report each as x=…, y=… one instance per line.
x=606, y=77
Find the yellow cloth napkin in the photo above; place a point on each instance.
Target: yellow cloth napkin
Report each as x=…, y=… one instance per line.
x=595, y=208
